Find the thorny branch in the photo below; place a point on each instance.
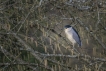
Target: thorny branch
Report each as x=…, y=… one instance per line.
x=20, y=61
x=48, y=60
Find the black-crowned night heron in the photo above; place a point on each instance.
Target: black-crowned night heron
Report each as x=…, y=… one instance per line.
x=72, y=35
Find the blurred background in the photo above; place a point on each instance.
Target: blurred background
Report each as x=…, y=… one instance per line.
x=32, y=36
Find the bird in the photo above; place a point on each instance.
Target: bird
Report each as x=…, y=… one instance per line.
x=72, y=35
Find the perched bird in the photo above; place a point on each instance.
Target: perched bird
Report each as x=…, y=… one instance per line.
x=72, y=35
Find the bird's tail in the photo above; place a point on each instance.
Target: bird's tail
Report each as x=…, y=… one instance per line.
x=80, y=44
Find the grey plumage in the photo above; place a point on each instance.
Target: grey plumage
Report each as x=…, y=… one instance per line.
x=72, y=35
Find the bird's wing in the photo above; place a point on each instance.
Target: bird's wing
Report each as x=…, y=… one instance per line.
x=76, y=37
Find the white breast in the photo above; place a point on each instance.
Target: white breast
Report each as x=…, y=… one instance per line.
x=69, y=34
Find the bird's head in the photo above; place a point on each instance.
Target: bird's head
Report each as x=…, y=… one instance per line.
x=67, y=26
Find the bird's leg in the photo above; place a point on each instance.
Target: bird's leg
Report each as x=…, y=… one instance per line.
x=82, y=50
x=74, y=48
